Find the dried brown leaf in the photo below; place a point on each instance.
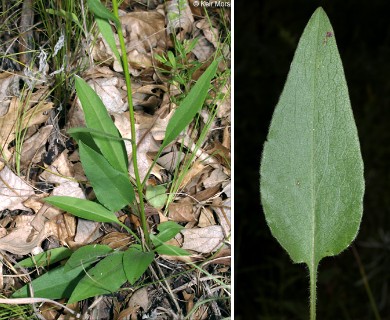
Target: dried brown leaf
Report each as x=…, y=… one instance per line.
x=222, y=208
x=208, y=193
x=206, y=218
x=180, y=18
x=9, y=87
x=203, y=240
x=28, y=116
x=34, y=147
x=110, y=93
x=182, y=211
x=116, y=239
x=144, y=32
x=23, y=238
x=13, y=190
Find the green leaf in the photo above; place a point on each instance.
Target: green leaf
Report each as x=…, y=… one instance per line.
x=83, y=208
x=74, y=132
x=135, y=263
x=104, y=278
x=112, y=187
x=312, y=182
x=97, y=118
x=156, y=196
x=54, y=284
x=167, y=231
x=190, y=105
x=86, y=255
x=105, y=29
x=169, y=250
x=101, y=11
x=46, y=258
x=66, y=15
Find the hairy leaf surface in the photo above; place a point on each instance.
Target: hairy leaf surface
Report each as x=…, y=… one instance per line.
x=312, y=181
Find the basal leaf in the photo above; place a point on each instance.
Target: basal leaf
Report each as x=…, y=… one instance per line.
x=190, y=105
x=97, y=117
x=106, y=277
x=135, y=263
x=112, y=187
x=46, y=258
x=168, y=230
x=312, y=181
x=54, y=284
x=83, y=208
x=156, y=196
x=170, y=250
x=86, y=255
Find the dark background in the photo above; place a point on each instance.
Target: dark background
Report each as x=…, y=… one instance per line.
x=267, y=284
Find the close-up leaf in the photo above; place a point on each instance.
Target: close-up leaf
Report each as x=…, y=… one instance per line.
x=169, y=250
x=54, y=284
x=101, y=11
x=156, y=196
x=168, y=230
x=113, y=188
x=106, y=30
x=312, y=182
x=135, y=263
x=106, y=277
x=97, y=117
x=86, y=255
x=46, y=258
x=81, y=208
x=190, y=105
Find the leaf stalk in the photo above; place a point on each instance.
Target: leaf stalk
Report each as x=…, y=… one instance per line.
x=313, y=290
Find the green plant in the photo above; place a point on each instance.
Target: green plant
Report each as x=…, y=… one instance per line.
x=23, y=312
x=312, y=182
x=97, y=269
x=178, y=67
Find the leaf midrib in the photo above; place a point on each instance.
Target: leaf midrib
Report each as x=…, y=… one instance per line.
x=313, y=261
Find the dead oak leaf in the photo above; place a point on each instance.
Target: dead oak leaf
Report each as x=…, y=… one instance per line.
x=19, y=117
x=144, y=32
x=180, y=18
x=203, y=240
x=23, y=238
x=13, y=190
x=182, y=211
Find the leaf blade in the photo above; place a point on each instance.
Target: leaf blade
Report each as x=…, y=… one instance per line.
x=190, y=105
x=106, y=277
x=97, y=118
x=312, y=182
x=54, y=284
x=83, y=208
x=112, y=187
x=135, y=263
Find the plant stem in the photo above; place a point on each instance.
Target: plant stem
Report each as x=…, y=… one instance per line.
x=366, y=284
x=132, y=127
x=313, y=290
